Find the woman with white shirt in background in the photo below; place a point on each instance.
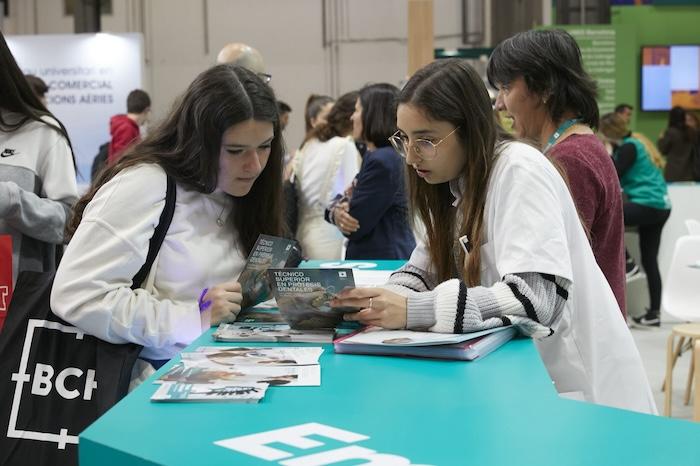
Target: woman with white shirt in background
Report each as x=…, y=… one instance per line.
x=222, y=147
x=326, y=164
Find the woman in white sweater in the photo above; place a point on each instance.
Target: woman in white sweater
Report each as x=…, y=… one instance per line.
x=37, y=173
x=505, y=245
x=222, y=146
x=325, y=165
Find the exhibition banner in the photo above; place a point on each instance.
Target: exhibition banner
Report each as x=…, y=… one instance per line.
x=89, y=77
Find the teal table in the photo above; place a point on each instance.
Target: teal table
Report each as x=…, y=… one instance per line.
x=502, y=410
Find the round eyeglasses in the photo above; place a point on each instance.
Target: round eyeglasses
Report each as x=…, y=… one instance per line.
x=424, y=148
x=266, y=78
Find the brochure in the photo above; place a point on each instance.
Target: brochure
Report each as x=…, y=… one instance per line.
x=258, y=316
x=218, y=392
x=303, y=296
x=270, y=333
x=241, y=355
x=206, y=372
x=268, y=251
x=469, y=346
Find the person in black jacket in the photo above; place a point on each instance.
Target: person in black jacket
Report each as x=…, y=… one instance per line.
x=374, y=213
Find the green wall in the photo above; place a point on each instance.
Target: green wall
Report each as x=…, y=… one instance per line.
x=650, y=25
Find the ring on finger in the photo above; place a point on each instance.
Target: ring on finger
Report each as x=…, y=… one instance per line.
x=370, y=303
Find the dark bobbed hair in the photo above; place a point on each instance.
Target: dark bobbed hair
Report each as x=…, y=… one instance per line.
x=37, y=84
x=379, y=103
x=314, y=104
x=550, y=63
x=283, y=107
x=338, y=122
x=138, y=101
x=451, y=90
x=187, y=146
x=17, y=96
x=676, y=119
x=619, y=108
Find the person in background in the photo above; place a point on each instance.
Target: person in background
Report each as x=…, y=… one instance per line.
x=647, y=206
x=38, y=86
x=222, y=147
x=37, y=172
x=625, y=112
x=316, y=109
x=126, y=129
x=504, y=246
x=326, y=163
x=238, y=53
x=284, y=111
x=676, y=143
x=373, y=214
x=552, y=101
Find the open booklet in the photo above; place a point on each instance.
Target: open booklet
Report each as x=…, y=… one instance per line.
x=207, y=392
x=268, y=251
x=303, y=296
x=467, y=346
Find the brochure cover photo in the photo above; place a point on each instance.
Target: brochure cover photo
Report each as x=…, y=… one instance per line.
x=268, y=252
x=303, y=296
x=204, y=372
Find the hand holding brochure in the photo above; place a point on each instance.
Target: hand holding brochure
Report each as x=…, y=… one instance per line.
x=303, y=296
x=268, y=251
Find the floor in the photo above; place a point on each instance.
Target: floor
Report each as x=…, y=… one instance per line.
x=652, y=347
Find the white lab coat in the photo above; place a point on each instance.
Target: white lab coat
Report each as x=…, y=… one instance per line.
x=532, y=226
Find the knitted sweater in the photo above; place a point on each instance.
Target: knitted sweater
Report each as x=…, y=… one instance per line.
x=596, y=191
x=530, y=301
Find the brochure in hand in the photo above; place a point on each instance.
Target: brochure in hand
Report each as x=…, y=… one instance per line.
x=271, y=356
x=206, y=392
x=270, y=333
x=207, y=372
x=269, y=251
x=259, y=316
x=467, y=346
x=303, y=296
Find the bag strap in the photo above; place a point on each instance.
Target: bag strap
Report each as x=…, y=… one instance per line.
x=158, y=235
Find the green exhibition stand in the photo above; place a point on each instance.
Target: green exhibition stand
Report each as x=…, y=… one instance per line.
x=502, y=410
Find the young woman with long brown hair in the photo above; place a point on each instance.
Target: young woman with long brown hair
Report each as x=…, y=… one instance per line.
x=504, y=246
x=222, y=146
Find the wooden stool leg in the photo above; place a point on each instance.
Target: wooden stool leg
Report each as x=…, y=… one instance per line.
x=691, y=372
x=696, y=406
x=676, y=354
x=668, y=384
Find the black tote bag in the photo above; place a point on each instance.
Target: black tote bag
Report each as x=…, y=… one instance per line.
x=55, y=379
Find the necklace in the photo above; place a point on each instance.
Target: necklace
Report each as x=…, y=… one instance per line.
x=219, y=219
x=558, y=133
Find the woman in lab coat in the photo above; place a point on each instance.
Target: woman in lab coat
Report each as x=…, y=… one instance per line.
x=504, y=245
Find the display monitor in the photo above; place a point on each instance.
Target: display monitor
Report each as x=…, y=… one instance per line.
x=670, y=77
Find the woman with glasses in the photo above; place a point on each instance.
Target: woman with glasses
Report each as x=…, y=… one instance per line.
x=374, y=213
x=504, y=245
x=552, y=102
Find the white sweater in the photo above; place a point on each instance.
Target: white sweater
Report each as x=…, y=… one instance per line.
x=37, y=190
x=92, y=286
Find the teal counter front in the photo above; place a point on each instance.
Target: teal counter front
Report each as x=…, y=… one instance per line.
x=502, y=410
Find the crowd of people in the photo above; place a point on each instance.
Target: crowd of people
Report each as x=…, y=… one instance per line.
x=522, y=227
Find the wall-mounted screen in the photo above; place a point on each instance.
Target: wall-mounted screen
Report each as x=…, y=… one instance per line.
x=670, y=77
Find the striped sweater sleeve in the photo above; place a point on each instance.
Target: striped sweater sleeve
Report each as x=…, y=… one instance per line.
x=530, y=301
